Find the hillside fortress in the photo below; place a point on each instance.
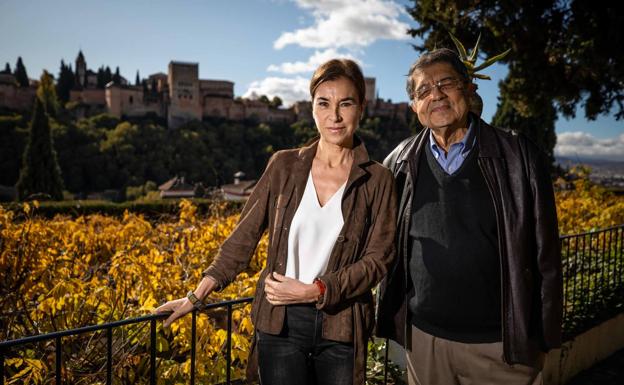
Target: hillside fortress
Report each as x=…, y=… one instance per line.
x=179, y=96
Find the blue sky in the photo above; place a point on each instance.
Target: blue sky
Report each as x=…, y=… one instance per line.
x=264, y=46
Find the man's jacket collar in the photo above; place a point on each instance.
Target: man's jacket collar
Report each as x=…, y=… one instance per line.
x=487, y=145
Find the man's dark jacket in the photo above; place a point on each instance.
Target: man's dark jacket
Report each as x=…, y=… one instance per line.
x=519, y=183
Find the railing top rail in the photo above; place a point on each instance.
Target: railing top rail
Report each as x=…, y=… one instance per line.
x=109, y=325
x=603, y=230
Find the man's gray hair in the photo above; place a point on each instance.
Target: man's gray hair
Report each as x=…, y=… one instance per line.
x=441, y=55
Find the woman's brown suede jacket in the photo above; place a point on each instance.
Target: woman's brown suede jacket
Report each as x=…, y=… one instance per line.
x=359, y=260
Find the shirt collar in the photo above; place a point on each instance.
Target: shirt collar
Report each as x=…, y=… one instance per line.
x=465, y=145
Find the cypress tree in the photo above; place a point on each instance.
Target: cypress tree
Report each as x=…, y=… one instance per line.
x=65, y=82
x=7, y=69
x=117, y=76
x=137, y=79
x=101, y=81
x=20, y=73
x=40, y=172
x=108, y=76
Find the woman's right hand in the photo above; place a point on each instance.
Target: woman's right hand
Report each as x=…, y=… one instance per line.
x=179, y=308
x=182, y=306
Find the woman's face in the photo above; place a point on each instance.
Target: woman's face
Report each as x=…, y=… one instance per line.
x=337, y=111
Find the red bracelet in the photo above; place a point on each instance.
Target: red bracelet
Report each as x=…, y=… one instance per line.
x=321, y=285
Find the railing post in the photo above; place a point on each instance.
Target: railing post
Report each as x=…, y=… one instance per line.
x=386, y=362
x=193, y=344
x=565, y=262
x=584, y=279
x=229, y=343
x=1, y=368
x=58, y=362
x=613, y=257
x=109, y=356
x=620, y=259
x=591, y=294
x=604, y=267
x=153, y=352
x=576, y=283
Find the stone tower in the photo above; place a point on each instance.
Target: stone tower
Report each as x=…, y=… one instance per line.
x=185, y=104
x=370, y=90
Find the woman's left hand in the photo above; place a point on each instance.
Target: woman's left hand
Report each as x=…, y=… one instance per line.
x=282, y=290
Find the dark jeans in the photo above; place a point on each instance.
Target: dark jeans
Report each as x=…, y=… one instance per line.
x=299, y=355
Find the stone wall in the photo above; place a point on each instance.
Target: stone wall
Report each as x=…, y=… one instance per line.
x=16, y=98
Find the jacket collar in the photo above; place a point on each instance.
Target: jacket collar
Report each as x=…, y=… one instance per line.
x=486, y=139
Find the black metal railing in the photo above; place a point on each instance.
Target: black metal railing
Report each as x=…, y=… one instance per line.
x=6, y=346
x=593, y=278
x=593, y=284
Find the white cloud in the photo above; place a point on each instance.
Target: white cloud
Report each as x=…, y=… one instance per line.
x=340, y=29
x=347, y=23
x=289, y=90
x=584, y=145
x=318, y=58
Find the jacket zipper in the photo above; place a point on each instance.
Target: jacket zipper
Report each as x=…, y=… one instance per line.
x=502, y=256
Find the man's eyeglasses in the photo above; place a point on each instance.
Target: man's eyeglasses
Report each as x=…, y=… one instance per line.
x=443, y=85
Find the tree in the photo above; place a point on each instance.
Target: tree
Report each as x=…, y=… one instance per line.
x=20, y=73
x=117, y=76
x=276, y=102
x=7, y=69
x=108, y=76
x=137, y=79
x=100, y=81
x=46, y=92
x=65, y=82
x=40, y=172
x=562, y=55
x=540, y=126
x=13, y=134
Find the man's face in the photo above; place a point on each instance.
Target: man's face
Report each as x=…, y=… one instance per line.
x=445, y=106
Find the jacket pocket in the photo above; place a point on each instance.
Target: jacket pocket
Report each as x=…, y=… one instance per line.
x=279, y=210
x=280, y=207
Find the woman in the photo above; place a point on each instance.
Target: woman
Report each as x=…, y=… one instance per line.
x=330, y=215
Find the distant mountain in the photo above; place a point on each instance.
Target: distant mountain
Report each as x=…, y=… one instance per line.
x=598, y=166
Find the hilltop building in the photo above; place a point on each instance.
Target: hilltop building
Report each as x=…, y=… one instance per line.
x=16, y=98
x=178, y=96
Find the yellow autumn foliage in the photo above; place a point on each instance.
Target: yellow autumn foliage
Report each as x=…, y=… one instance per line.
x=584, y=206
x=63, y=273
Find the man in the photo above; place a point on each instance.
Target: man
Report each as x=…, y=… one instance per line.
x=476, y=295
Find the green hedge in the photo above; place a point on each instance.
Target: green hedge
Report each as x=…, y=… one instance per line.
x=151, y=209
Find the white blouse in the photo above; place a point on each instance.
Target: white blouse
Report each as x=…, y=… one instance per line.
x=313, y=232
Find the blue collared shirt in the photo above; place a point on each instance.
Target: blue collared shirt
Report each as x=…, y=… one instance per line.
x=452, y=161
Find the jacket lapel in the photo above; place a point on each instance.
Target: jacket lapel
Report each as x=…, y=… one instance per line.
x=360, y=161
x=301, y=170
x=486, y=140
